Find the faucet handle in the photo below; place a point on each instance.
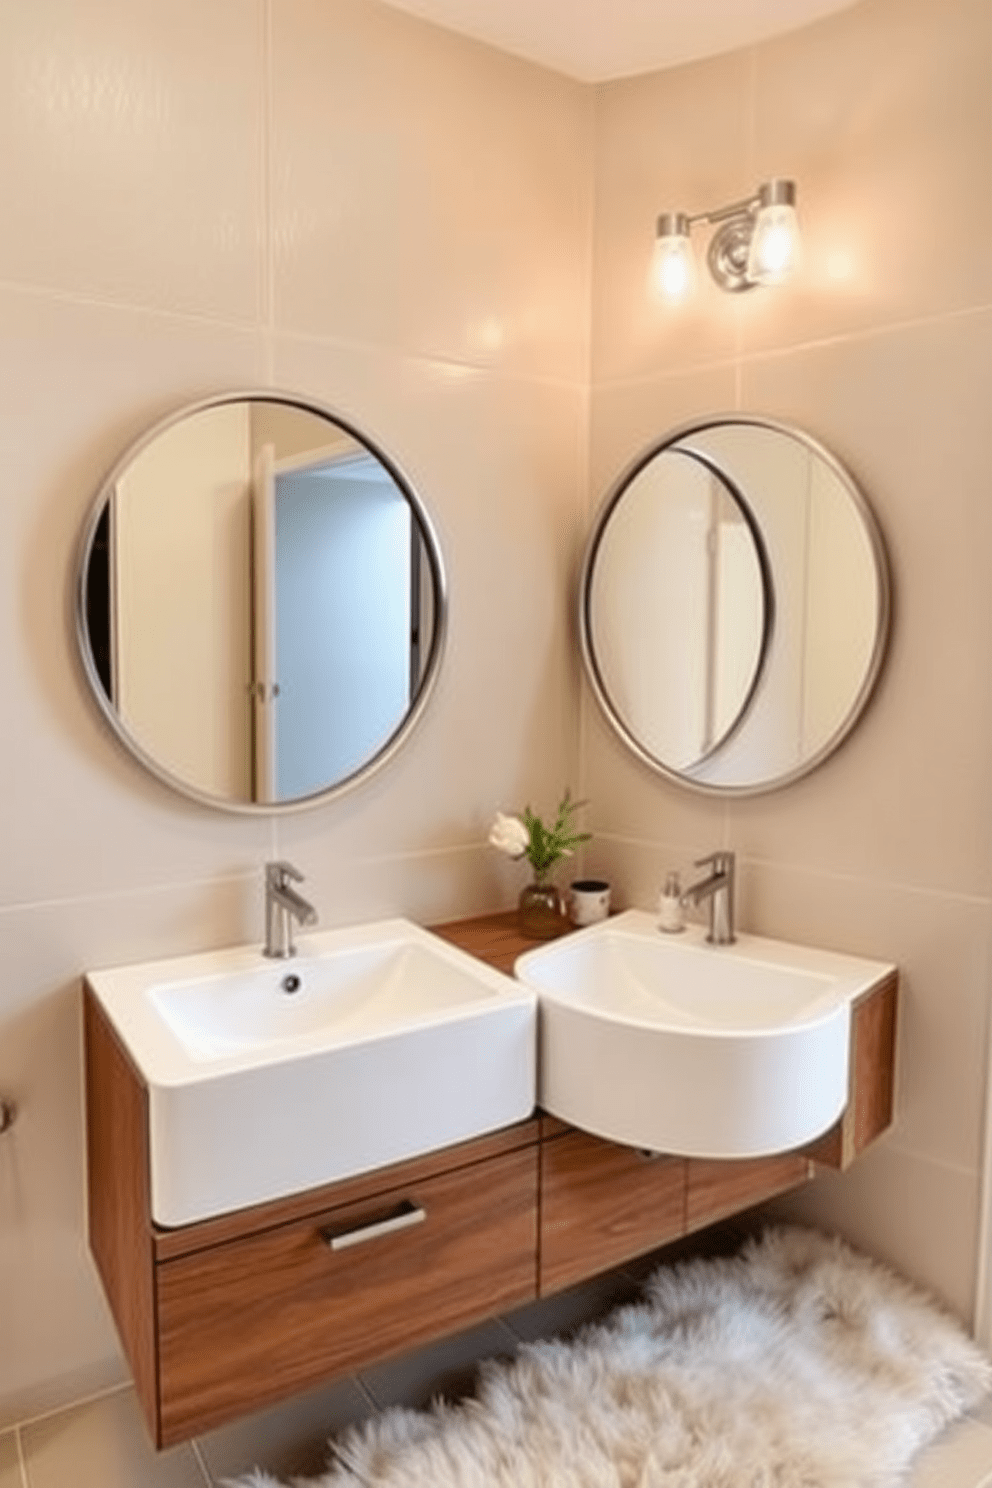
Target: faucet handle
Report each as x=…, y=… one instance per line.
x=279, y=874
x=722, y=861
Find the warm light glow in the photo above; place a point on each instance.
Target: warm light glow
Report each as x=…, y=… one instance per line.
x=774, y=250
x=755, y=241
x=674, y=268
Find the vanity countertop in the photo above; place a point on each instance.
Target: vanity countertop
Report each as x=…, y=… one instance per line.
x=495, y=938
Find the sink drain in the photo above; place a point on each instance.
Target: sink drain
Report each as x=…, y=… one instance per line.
x=291, y=983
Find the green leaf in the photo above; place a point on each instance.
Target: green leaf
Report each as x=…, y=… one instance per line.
x=548, y=844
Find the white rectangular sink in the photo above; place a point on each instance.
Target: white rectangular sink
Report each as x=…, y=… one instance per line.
x=374, y=1044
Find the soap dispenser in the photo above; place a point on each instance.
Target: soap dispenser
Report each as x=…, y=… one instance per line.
x=670, y=916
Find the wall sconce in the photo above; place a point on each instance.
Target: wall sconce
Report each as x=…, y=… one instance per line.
x=756, y=242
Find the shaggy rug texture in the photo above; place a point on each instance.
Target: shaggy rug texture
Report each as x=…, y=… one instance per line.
x=796, y=1364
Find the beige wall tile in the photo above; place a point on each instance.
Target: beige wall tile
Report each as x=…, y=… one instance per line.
x=876, y=111
x=428, y=192
x=629, y=800
x=10, y=1465
x=941, y=946
x=80, y=383
x=104, y=1445
x=427, y=887
x=916, y=1216
x=638, y=863
x=907, y=797
x=121, y=191
x=669, y=141
x=627, y=416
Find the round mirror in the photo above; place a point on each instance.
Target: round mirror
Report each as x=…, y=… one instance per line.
x=734, y=605
x=260, y=602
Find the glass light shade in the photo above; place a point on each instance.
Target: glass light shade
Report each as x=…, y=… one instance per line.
x=673, y=268
x=774, y=251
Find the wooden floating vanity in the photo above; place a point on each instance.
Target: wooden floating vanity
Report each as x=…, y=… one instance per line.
x=228, y=1315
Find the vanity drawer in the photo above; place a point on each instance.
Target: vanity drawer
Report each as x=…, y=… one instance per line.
x=602, y=1203
x=716, y=1190
x=255, y=1319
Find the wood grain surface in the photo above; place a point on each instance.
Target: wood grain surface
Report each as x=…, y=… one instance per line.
x=251, y=1321
x=717, y=1189
x=601, y=1204
x=118, y=1195
x=188, y=1238
x=493, y=938
x=871, y=1078
x=223, y=1317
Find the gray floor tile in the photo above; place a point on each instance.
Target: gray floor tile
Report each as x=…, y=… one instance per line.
x=445, y=1369
x=960, y=1458
x=104, y=1444
x=722, y=1239
x=287, y=1440
x=10, y=1469
x=566, y=1311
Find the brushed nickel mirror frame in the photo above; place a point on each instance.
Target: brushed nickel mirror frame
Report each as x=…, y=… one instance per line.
x=382, y=756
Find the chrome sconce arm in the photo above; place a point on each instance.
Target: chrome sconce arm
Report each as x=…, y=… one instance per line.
x=756, y=242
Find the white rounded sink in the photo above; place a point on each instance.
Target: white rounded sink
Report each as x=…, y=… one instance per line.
x=673, y=1044
x=374, y=1044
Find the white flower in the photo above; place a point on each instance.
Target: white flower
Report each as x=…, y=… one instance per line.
x=509, y=834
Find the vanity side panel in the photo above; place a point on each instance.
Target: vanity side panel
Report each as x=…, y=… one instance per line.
x=871, y=1081
x=118, y=1197
x=601, y=1204
x=249, y=1322
x=874, y=1064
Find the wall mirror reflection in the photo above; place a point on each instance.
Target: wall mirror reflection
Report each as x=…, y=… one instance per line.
x=680, y=605
x=260, y=602
x=734, y=605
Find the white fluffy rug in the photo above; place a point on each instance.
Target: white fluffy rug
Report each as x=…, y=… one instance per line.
x=796, y=1364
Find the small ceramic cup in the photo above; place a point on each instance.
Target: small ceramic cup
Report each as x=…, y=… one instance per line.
x=588, y=901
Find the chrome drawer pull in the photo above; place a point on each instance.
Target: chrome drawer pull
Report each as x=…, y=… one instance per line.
x=409, y=1215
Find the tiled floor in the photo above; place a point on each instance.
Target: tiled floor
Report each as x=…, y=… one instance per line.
x=102, y=1443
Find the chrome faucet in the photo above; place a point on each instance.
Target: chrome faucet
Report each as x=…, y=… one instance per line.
x=718, y=888
x=283, y=905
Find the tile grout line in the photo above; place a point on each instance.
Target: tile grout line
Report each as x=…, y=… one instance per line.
x=248, y=876
x=898, y=885
x=366, y=1393
x=624, y=380
x=201, y=1463
x=63, y=901
x=71, y=1405
x=252, y=325
x=267, y=244
x=22, y=1462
